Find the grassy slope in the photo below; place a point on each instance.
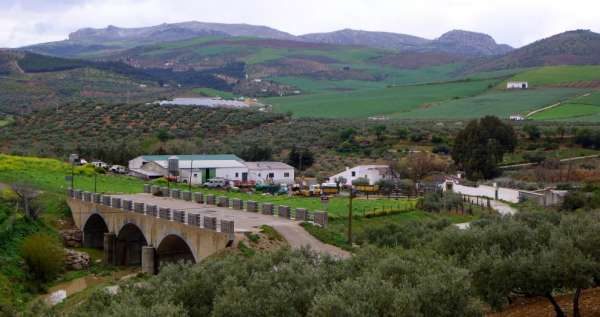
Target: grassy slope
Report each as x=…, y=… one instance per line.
x=371, y=102
x=499, y=103
x=552, y=75
x=49, y=175
x=582, y=108
x=336, y=232
x=209, y=92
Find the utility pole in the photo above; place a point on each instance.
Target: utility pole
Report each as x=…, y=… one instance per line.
x=191, y=170
x=72, y=174
x=350, y=216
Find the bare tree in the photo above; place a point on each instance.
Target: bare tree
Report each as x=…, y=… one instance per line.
x=338, y=181
x=26, y=194
x=418, y=165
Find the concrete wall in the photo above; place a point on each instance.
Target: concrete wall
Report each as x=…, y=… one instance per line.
x=506, y=194
x=261, y=176
x=373, y=174
x=202, y=242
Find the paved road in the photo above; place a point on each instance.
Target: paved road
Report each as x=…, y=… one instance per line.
x=291, y=230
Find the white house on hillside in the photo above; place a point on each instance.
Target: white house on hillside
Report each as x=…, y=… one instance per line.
x=517, y=85
x=373, y=173
x=270, y=172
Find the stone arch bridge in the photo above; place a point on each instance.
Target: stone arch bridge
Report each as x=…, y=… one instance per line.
x=134, y=233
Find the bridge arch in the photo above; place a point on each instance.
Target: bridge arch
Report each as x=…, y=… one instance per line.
x=173, y=248
x=129, y=243
x=93, y=231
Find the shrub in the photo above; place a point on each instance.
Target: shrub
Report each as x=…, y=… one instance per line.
x=360, y=181
x=43, y=255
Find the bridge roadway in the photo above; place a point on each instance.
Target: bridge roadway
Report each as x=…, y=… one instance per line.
x=244, y=221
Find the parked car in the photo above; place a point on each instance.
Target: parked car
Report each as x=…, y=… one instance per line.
x=100, y=164
x=216, y=183
x=118, y=169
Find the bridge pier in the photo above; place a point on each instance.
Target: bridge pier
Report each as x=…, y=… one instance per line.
x=148, y=260
x=110, y=241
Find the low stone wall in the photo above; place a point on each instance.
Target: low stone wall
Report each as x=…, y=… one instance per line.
x=267, y=209
x=138, y=207
x=115, y=202
x=301, y=214
x=223, y=201
x=198, y=197
x=210, y=199
x=284, y=212
x=321, y=218
x=237, y=204
x=298, y=214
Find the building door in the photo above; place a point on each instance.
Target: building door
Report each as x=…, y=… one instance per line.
x=244, y=177
x=204, y=175
x=212, y=173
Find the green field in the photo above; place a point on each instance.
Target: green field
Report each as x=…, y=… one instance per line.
x=4, y=121
x=49, y=175
x=209, y=92
x=553, y=75
x=499, y=103
x=371, y=102
x=586, y=108
x=568, y=111
x=309, y=85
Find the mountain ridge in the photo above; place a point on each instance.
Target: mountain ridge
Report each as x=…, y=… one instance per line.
x=576, y=47
x=95, y=41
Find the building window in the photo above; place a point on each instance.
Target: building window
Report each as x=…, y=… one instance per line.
x=353, y=174
x=286, y=174
x=195, y=175
x=271, y=175
x=237, y=175
x=258, y=174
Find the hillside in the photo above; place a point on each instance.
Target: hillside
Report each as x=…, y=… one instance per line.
x=466, y=43
x=30, y=81
x=456, y=42
x=118, y=132
x=580, y=47
x=96, y=42
x=385, y=40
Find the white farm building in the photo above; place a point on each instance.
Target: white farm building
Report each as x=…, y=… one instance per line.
x=270, y=172
x=517, y=85
x=204, y=167
x=373, y=173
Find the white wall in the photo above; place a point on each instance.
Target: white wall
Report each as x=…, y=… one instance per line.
x=229, y=172
x=371, y=173
x=506, y=194
x=261, y=176
x=136, y=163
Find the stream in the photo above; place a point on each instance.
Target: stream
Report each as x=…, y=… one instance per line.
x=62, y=291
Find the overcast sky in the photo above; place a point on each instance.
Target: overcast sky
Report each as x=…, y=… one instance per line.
x=515, y=22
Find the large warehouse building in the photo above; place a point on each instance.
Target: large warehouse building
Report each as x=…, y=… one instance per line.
x=206, y=166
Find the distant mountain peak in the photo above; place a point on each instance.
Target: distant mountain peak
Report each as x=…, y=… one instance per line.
x=577, y=47
x=385, y=40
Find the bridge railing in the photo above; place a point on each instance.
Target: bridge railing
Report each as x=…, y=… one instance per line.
x=299, y=214
x=175, y=215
